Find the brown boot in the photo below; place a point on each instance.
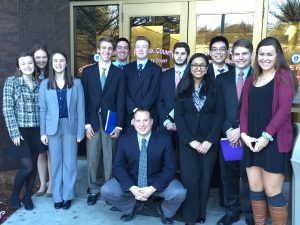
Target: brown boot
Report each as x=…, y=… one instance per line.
x=279, y=215
x=259, y=212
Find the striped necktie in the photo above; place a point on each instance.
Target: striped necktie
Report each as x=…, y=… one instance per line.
x=239, y=84
x=142, y=176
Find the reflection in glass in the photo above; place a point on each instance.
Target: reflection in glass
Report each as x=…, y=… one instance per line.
x=90, y=24
x=232, y=26
x=284, y=24
x=163, y=32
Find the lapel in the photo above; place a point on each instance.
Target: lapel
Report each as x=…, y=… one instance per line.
x=232, y=85
x=69, y=93
x=211, y=72
x=53, y=97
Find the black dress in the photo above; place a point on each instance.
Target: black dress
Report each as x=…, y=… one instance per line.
x=259, y=116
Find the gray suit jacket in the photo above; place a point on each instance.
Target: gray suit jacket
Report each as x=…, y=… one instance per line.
x=49, y=109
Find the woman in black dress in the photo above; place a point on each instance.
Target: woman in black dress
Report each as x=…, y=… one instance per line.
x=266, y=130
x=198, y=117
x=21, y=113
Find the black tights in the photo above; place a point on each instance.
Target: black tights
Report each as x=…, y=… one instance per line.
x=26, y=174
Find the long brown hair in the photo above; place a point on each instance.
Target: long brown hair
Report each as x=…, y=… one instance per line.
x=67, y=76
x=281, y=63
x=25, y=54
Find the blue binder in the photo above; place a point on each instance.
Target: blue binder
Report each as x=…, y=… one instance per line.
x=230, y=153
x=111, y=122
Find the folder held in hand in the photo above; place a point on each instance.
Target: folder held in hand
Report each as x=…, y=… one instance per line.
x=111, y=122
x=231, y=153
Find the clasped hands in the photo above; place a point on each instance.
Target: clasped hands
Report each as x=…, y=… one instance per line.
x=201, y=147
x=233, y=136
x=142, y=193
x=255, y=144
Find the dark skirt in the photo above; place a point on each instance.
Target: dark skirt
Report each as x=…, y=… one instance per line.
x=30, y=146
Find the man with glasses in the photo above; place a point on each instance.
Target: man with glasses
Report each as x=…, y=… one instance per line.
x=122, y=52
x=104, y=88
x=231, y=84
x=143, y=82
x=218, y=51
x=218, y=48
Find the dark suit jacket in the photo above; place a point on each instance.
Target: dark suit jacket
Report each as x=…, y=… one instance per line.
x=142, y=92
x=166, y=99
x=211, y=71
x=232, y=105
x=161, y=161
x=204, y=125
x=112, y=97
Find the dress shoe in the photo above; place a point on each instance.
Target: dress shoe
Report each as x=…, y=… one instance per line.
x=28, y=204
x=48, y=194
x=201, y=220
x=67, y=204
x=249, y=221
x=58, y=205
x=129, y=216
x=40, y=193
x=164, y=219
x=92, y=199
x=190, y=223
x=228, y=220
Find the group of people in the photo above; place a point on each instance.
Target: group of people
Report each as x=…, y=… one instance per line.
x=159, y=115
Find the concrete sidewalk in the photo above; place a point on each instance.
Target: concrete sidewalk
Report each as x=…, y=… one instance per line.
x=99, y=214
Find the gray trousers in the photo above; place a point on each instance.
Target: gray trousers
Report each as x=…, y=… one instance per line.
x=101, y=144
x=63, y=153
x=173, y=195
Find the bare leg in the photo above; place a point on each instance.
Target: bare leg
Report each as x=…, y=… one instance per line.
x=42, y=171
x=49, y=190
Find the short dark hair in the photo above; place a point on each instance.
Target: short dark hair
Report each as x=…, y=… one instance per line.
x=243, y=43
x=123, y=39
x=107, y=39
x=219, y=39
x=182, y=45
x=142, y=110
x=142, y=38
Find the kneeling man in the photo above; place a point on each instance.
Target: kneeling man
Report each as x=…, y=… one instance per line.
x=144, y=165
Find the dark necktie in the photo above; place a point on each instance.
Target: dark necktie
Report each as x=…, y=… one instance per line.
x=177, y=78
x=221, y=71
x=239, y=84
x=103, y=78
x=120, y=66
x=142, y=176
x=140, y=69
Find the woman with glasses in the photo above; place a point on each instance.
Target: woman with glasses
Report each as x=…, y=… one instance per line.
x=41, y=58
x=266, y=130
x=21, y=113
x=198, y=117
x=62, y=119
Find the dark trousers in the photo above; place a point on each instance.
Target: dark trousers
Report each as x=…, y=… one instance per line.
x=231, y=173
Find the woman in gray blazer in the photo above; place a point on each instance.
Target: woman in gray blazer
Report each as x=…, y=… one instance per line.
x=61, y=103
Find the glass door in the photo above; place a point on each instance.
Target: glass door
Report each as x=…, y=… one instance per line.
x=233, y=19
x=163, y=23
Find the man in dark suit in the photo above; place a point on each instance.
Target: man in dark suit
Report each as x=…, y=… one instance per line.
x=231, y=84
x=218, y=51
x=144, y=166
x=170, y=80
x=143, y=82
x=104, y=90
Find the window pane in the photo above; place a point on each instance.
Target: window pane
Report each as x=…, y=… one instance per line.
x=284, y=24
x=163, y=32
x=232, y=26
x=92, y=23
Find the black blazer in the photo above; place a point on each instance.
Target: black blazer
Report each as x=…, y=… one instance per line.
x=142, y=92
x=211, y=71
x=160, y=160
x=112, y=97
x=167, y=94
x=232, y=106
x=204, y=125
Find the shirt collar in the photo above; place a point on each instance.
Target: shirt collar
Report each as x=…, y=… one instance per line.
x=216, y=68
x=117, y=63
x=181, y=69
x=245, y=71
x=140, y=138
x=23, y=83
x=143, y=62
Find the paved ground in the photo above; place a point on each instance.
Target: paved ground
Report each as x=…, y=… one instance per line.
x=99, y=214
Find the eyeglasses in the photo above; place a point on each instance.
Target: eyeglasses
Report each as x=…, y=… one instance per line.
x=221, y=50
x=201, y=66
